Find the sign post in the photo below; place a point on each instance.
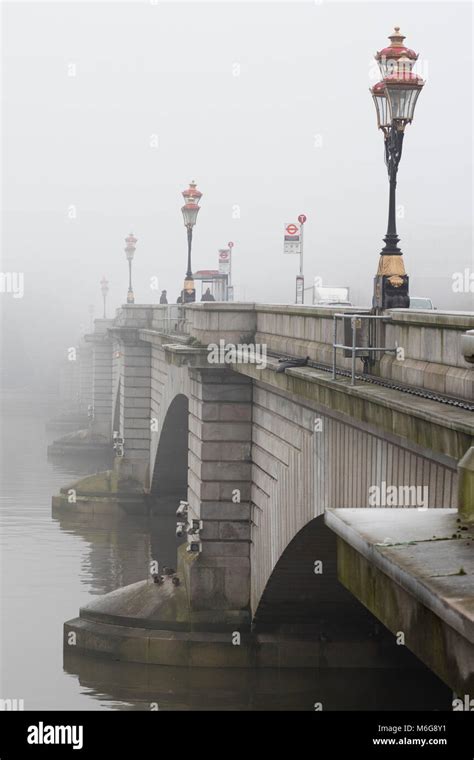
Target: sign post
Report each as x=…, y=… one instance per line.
x=299, y=289
x=230, y=287
x=292, y=238
x=293, y=243
x=225, y=267
x=300, y=278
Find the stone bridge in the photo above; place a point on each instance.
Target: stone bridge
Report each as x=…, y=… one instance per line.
x=260, y=455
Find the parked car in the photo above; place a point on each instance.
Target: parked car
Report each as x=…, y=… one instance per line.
x=334, y=304
x=421, y=303
x=467, y=346
x=329, y=296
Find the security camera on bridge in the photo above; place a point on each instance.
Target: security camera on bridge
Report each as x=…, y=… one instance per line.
x=182, y=515
x=182, y=510
x=189, y=522
x=195, y=527
x=118, y=444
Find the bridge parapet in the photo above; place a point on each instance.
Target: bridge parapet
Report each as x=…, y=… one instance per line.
x=136, y=315
x=301, y=331
x=431, y=343
x=282, y=329
x=430, y=353
x=211, y=322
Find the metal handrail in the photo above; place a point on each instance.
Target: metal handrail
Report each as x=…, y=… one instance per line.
x=174, y=317
x=354, y=348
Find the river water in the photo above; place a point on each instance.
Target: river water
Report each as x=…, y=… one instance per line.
x=50, y=567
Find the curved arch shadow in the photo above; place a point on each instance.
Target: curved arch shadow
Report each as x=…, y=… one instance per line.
x=303, y=590
x=170, y=471
x=316, y=605
x=116, y=417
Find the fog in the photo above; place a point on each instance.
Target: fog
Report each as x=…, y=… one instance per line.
x=110, y=109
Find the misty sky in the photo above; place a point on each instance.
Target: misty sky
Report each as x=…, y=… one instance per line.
x=266, y=106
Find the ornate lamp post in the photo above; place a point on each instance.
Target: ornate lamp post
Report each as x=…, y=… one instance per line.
x=230, y=287
x=130, y=252
x=395, y=98
x=104, y=286
x=91, y=317
x=190, y=210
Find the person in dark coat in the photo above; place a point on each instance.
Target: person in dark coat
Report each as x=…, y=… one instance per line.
x=163, y=298
x=207, y=296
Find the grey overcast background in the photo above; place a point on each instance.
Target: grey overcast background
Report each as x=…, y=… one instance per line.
x=266, y=106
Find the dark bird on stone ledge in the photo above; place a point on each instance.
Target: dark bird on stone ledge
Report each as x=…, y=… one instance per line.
x=157, y=578
x=175, y=580
x=287, y=363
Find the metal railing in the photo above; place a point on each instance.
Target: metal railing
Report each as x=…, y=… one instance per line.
x=172, y=321
x=355, y=350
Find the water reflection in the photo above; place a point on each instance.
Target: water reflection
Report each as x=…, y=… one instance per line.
x=142, y=687
x=121, y=546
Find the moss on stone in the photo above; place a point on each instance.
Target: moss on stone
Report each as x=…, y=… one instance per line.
x=466, y=486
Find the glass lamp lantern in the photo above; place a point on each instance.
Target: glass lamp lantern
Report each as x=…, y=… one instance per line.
x=381, y=106
x=190, y=210
x=104, y=286
x=130, y=247
x=396, y=95
x=402, y=94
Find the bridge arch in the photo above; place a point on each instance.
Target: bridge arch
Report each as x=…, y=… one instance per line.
x=307, y=458
x=303, y=590
x=116, y=410
x=169, y=475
